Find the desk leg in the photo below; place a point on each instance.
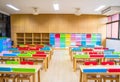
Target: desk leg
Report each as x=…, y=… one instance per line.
x=81, y=76
x=70, y=53
x=74, y=64
x=39, y=75
x=85, y=77
x=45, y=64
x=34, y=77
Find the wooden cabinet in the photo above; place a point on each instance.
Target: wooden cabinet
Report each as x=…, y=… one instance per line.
x=20, y=38
x=37, y=38
x=45, y=38
x=32, y=38
x=28, y=38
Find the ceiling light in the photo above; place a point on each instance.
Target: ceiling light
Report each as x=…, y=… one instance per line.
x=56, y=6
x=35, y=11
x=77, y=11
x=12, y=7
x=100, y=8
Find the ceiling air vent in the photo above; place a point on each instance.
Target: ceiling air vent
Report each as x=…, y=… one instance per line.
x=111, y=10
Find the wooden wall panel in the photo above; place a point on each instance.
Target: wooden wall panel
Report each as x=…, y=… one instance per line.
x=55, y=23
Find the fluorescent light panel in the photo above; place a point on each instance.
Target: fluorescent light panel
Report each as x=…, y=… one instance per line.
x=56, y=6
x=99, y=8
x=12, y=7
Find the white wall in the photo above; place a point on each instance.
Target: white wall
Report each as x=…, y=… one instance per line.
x=113, y=44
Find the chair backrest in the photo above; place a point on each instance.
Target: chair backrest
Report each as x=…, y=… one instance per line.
x=27, y=62
x=90, y=63
x=40, y=52
x=12, y=62
x=108, y=63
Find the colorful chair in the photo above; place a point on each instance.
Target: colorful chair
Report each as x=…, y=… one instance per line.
x=94, y=77
x=7, y=77
x=110, y=77
x=22, y=77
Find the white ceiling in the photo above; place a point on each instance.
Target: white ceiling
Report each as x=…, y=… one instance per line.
x=46, y=6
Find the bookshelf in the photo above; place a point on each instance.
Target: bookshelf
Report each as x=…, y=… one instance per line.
x=20, y=38
x=45, y=38
x=32, y=38
x=36, y=38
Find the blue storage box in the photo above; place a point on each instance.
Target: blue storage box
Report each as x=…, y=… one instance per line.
x=13, y=49
x=111, y=56
x=94, y=70
x=76, y=49
x=46, y=48
x=107, y=52
x=10, y=54
x=7, y=69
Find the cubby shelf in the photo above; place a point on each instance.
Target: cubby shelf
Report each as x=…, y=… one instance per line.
x=32, y=38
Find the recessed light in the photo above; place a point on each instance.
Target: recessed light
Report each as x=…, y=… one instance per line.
x=56, y=6
x=100, y=8
x=12, y=7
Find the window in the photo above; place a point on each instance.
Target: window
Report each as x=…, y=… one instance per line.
x=113, y=26
x=109, y=30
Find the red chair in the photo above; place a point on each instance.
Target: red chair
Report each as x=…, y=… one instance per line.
x=40, y=52
x=39, y=55
x=27, y=62
x=87, y=50
x=108, y=63
x=97, y=55
x=90, y=63
x=33, y=48
x=92, y=52
x=22, y=77
x=110, y=77
x=105, y=48
x=94, y=76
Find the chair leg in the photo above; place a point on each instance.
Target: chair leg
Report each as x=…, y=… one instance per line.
x=6, y=80
x=29, y=80
x=117, y=80
x=18, y=80
x=111, y=81
x=95, y=80
x=104, y=80
x=13, y=80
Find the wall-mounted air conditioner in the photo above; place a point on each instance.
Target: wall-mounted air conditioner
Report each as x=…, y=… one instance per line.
x=111, y=10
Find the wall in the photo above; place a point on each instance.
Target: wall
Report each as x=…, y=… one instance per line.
x=54, y=23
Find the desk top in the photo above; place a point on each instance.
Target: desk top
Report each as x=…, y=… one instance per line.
x=36, y=67
x=100, y=69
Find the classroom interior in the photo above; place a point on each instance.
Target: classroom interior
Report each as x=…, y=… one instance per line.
x=59, y=41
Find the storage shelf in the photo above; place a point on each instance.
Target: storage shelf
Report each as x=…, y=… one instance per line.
x=35, y=38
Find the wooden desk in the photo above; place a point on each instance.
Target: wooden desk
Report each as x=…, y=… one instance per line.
x=100, y=59
x=36, y=67
x=83, y=75
x=17, y=58
x=70, y=49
